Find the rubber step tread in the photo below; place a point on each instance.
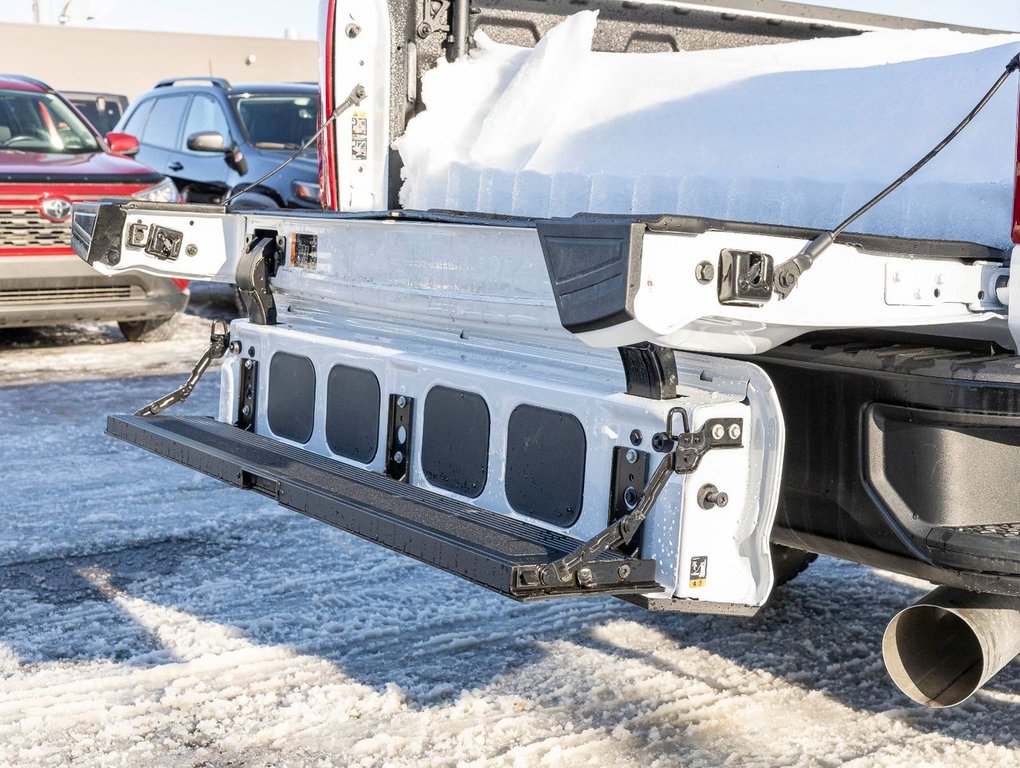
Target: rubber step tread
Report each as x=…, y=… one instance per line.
x=475, y=543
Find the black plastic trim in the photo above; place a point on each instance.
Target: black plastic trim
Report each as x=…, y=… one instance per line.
x=353, y=405
x=545, y=464
x=943, y=468
x=650, y=371
x=455, y=441
x=291, y=399
x=594, y=266
x=81, y=178
x=830, y=489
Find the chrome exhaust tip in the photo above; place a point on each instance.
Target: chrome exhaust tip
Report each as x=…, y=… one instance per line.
x=942, y=649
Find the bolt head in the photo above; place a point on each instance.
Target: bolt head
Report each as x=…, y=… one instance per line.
x=718, y=432
x=585, y=577
x=631, y=498
x=401, y=401
x=704, y=273
x=721, y=499
x=624, y=571
x=631, y=456
x=191, y=250
x=398, y=457
x=734, y=431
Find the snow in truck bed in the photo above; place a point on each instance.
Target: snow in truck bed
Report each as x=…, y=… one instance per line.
x=798, y=133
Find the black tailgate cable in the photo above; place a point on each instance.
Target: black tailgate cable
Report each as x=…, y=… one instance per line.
x=788, y=273
x=355, y=97
x=219, y=341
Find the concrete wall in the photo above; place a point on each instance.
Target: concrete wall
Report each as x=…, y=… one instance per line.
x=128, y=62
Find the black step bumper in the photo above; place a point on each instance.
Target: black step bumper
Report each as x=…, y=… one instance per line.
x=490, y=549
x=915, y=468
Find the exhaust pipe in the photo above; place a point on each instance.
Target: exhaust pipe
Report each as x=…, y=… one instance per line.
x=948, y=644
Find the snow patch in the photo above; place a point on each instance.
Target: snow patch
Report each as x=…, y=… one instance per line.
x=799, y=133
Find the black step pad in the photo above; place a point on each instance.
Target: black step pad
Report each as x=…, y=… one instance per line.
x=993, y=548
x=487, y=548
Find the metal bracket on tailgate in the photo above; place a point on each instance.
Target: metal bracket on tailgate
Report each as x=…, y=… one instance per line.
x=254, y=269
x=449, y=18
x=582, y=568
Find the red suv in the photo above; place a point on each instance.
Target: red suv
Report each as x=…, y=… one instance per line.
x=51, y=157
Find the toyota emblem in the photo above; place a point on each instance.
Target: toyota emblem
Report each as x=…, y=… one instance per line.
x=56, y=209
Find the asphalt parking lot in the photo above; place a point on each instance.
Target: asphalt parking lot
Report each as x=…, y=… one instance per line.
x=151, y=616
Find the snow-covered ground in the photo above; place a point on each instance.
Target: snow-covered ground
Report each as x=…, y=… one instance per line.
x=151, y=616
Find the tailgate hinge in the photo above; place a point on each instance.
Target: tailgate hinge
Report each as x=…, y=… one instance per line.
x=254, y=268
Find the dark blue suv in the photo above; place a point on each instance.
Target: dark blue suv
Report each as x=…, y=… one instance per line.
x=213, y=139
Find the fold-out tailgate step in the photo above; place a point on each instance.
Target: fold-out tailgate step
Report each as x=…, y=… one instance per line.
x=485, y=547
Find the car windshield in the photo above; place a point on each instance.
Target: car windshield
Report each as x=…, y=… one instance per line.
x=278, y=121
x=40, y=122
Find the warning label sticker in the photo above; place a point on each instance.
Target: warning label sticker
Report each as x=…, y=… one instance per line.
x=304, y=251
x=699, y=572
x=359, y=136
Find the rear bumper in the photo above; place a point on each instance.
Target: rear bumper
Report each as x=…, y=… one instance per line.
x=916, y=468
x=48, y=290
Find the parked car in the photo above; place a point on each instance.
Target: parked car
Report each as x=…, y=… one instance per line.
x=49, y=159
x=103, y=110
x=213, y=139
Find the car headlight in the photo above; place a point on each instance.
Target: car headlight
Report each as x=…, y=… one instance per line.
x=164, y=192
x=306, y=190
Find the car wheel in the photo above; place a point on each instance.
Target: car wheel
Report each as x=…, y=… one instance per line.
x=156, y=329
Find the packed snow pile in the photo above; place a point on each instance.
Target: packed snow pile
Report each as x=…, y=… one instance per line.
x=799, y=133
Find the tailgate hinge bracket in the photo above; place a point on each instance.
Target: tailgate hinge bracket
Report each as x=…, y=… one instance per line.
x=449, y=18
x=254, y=268
x=688, y=447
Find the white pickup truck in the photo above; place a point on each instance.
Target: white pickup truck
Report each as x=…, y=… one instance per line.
x=633, y=403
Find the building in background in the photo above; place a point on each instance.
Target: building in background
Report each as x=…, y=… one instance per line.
x=130, y=62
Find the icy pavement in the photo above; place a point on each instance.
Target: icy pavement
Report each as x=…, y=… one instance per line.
x=151, y=616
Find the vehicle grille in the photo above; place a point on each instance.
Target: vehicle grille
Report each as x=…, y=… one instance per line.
x=27, y=228
x=36, y=296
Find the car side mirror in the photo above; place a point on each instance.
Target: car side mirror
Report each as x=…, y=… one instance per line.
x=237, y=160
x=207, y=141
x=122, y=144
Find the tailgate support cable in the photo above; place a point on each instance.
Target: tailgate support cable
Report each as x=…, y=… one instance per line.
x=355, y=97
x=788, y=273
x=683, y=453
x=219, y=341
